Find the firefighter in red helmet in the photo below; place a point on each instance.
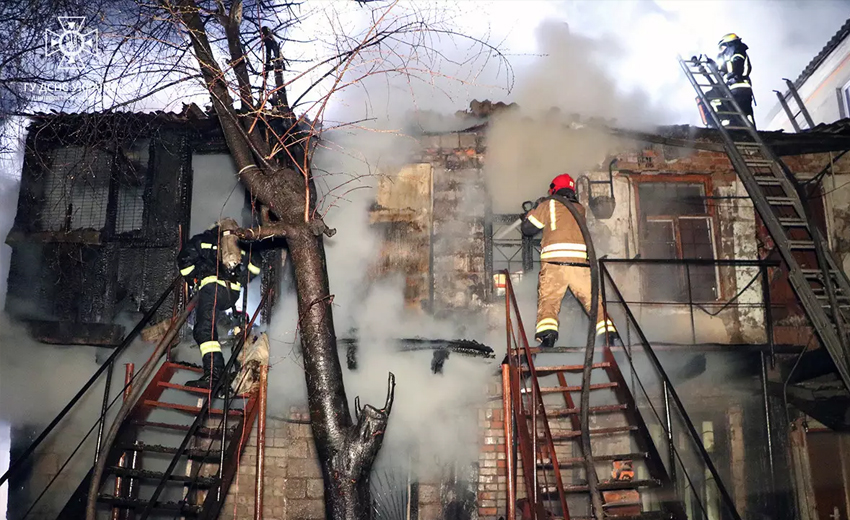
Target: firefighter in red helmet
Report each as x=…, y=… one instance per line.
x=563, y=261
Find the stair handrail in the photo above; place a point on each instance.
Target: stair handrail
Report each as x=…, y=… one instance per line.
x=536, y=397
x=725, y=496
x=222, y=383
x=15, y=465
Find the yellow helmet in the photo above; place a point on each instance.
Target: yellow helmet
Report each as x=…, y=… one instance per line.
x=731, y=37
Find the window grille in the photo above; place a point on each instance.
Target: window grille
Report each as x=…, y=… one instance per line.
x=76, y=189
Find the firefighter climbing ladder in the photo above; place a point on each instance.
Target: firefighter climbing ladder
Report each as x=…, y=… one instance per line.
x=821, y=286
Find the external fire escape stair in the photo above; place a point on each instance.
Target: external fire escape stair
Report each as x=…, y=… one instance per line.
x=818, y=281
x=178, y=449
x=548, y=427
x=135, y=465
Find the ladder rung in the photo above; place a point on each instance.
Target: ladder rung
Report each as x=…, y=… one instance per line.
x=801, y=244
x=598, y=431
x=730, y=127
x=766, y=162
x=781, y=201
x=560, y=389
x=811, y=273
x=769, y=181
x=793, y=222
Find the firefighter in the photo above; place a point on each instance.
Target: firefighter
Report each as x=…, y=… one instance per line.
x=213, y=264
x=734, y=64
x=563, y=261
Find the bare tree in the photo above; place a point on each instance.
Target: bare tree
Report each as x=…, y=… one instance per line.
x=239, y=52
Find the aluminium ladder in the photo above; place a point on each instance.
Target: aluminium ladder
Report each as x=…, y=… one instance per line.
x=817, y=279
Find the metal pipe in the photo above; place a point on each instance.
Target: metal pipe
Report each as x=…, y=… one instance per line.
x=129, y=368
x=668, y=423
x=507, y=420
x=691, y=303
x=261, y=443
x=103, y=409
x=768, y=315
x=15, y=465
x=767, y=423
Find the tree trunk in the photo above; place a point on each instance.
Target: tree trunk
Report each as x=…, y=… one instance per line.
x=346, y=450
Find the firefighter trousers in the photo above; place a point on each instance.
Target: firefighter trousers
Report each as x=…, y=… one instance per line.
x=552, y=285
x=213, y=298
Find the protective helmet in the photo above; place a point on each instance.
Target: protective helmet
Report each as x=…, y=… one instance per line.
x=729, y=38
x=560, y=182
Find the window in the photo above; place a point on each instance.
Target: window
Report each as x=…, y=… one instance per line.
x=76, y=189
x=675, y=224
x=844, y=101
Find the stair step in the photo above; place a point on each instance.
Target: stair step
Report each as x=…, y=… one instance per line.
x=559, y=389
x=793, y=222
x=129, y=503
x=556, y=350
x=191, y=389
x=565, y=412
x=804, y=245
x=192, y=453
x=646, y=515
x=598, y=431
x=579, y=461
x=603, y=486
x=816, y=273
x=195, y=410
x=202, y=482
x=200, y=432
x=185, y=366
x=554, y=369
x=781, y=201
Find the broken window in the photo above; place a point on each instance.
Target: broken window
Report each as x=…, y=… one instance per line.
x=132, y=173
x=676, y=225
x=76, y=189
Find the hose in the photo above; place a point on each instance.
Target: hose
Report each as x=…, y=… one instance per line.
x=587, y=454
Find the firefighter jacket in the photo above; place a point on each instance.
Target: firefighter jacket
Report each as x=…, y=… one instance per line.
x=199, y=262
x=734, y=64
x=562, y=240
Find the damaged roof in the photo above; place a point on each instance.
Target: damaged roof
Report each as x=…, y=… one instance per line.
x=830, y=46
x=832, y=137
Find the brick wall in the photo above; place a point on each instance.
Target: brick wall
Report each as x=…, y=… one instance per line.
x=292, y=478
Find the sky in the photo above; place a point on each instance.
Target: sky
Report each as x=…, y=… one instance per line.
x=638, y=41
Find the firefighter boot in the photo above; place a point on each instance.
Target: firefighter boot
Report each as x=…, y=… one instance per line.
x=213, y=370
x=547, y=338
x=613, y=338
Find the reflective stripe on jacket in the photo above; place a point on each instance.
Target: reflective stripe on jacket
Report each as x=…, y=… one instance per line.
x=562, y=237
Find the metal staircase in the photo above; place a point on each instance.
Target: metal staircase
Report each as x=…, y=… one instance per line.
x=178, y=451
x=543, y=424
x=816, y=278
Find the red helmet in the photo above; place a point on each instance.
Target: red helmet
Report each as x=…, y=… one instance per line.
x=560, y=182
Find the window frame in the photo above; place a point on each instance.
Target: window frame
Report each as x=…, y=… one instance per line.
x=709, y=216
x=845, y=100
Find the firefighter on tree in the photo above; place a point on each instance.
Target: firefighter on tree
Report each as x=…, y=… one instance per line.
x=563, y=261
x=214, y=263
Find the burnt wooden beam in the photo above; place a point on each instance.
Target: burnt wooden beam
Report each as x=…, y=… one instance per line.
x=75, y=333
